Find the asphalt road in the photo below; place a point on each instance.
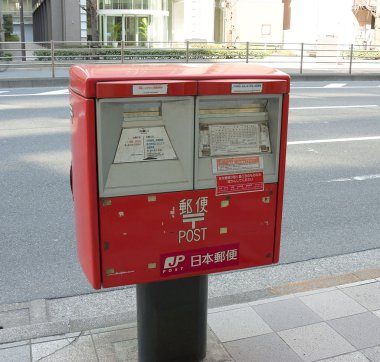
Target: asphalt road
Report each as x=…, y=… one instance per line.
x=331, y=192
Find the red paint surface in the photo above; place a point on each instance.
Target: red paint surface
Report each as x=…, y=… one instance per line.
x=124, y=89
x=136, y=232
x=84, y=181
x=83, y=78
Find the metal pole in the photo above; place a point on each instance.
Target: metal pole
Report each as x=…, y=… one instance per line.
x=247, y=52
x=22, y=30
x=122, y=51
x=301, y=63
x=52, y=59
x=351, y=54
x=1, y=25
x=187, y=51
x=172, y=320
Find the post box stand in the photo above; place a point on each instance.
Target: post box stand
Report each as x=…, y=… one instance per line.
x=172, y=320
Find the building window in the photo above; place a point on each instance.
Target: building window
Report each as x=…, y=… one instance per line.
x=136, y=22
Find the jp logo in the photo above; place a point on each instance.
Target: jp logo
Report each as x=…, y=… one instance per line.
x=173, y=261
x=173, y=264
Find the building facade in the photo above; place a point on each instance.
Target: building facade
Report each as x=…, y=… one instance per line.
x=59, y=20
x=138, y=22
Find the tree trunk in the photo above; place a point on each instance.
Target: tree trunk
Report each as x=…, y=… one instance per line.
x=92, y=11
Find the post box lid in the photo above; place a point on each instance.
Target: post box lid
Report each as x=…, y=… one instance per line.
x=84, y=77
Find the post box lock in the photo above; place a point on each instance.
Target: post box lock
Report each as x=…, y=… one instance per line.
x=265, y=199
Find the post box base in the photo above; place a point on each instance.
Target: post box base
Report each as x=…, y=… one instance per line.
x=172, y=320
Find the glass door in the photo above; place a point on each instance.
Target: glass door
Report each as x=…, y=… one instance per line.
x=136, y=30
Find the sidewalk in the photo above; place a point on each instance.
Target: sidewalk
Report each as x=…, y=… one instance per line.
x=313, y=320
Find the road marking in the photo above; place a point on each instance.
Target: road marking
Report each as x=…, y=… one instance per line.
x=332, y=140
x=335, y=85
x=356, y=178
x=4, y=91
x=53, y=93
x=336, y=107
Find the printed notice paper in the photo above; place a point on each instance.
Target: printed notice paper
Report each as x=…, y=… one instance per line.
x=144, y=144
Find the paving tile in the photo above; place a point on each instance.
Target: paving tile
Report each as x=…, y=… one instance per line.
x=286, y=314
x=113, y=345
x=368, y=295
x=316, y=341
x=266, y=348
x=79, y=349
x=361, y=330
x=13, y=344
x=14, y=318
x=125, y=351
x=350, y=357
x=228, y=307
x=235, y=324
x=15, y=354
x=355, y=284
x=270, y=300
x=333, y=304
x=373, y=353
x=215, y=350
x=315, y=291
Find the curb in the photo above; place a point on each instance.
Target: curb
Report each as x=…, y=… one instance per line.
x=39, y=325
x=34, y=82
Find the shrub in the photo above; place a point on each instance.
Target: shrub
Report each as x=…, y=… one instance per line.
x=365, y=55
x=109, y=53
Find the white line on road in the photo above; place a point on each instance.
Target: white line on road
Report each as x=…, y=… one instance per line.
x=335, y=85
x=331, y=140
x=356, y=178
x=53, y=93
x=333, y=107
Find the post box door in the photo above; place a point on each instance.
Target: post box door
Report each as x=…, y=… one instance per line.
x=230, y=128
x=145, y=145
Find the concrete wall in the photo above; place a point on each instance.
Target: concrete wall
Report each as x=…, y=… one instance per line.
x=259, y=21
x=193, y=19
x=313, y=20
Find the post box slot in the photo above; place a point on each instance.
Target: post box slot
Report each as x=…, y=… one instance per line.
x=145, y=145
x=242, y=126
x=139, y=112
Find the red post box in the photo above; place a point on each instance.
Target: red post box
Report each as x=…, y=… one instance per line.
x=177, y=169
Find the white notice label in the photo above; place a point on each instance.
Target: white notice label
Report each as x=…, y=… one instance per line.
x=246, y=88
x=143, y=89
x=144, y=144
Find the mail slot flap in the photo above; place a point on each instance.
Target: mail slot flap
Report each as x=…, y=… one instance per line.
x=145, y=88
x=242, y=86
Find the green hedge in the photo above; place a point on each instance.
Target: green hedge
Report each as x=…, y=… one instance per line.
x=76, y=54
x=365, y=55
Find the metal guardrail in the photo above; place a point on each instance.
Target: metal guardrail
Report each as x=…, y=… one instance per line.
x=301, y=57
